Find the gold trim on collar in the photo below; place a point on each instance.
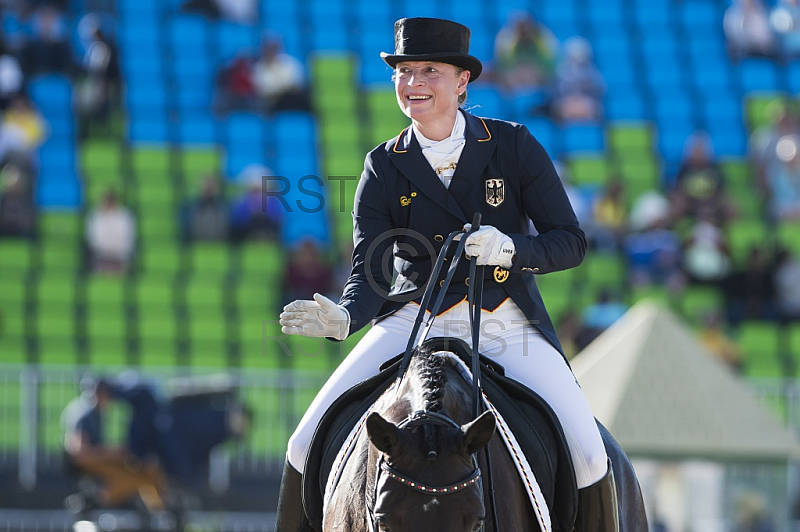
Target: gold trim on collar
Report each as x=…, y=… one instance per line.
x=400, y=136
x=487, y=131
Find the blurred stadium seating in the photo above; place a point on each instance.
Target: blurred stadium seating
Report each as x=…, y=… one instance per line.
x=202, y=305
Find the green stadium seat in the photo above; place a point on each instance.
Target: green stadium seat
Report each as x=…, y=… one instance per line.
x=744, y=234
x=197, y=165
x=203, y=296
x=10, y=395
x=160, y=257
x=151, y=164
x=158, y=334
x=697, y=301
x=61, y=227
x=62, y=257
x=107, y=352
x=155, y=291
x=628, y=138
x=105, y=292
x=56, y=333
x=13, y=350
x=759, y=341
x=762, y=108
x=588, y=170
x=56, y=292
x=15, y=255
x=210, y=258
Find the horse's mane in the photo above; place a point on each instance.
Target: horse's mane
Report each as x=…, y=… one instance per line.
x=433, y=377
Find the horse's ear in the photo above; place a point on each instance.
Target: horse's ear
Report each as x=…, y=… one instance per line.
x=383, y=434
x=478, y=432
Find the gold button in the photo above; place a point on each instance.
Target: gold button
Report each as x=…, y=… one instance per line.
x=466, y=281
x=441, y=283
x=438, y=238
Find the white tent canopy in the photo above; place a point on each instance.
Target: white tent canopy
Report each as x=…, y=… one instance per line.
x=663, y=395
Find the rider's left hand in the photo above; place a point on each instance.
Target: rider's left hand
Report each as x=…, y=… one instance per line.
x=490, y=246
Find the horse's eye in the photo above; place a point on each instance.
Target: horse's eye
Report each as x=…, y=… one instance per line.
x=382, y=526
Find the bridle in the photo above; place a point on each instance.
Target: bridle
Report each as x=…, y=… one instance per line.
x=415, y=419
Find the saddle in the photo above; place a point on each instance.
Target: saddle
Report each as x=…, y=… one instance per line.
x=531, y=419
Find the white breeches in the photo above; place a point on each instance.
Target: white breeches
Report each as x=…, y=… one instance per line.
x=507, y=337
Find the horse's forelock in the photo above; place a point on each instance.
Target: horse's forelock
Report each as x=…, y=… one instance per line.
x=433, y=377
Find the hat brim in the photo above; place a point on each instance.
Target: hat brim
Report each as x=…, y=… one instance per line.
x=464, y=61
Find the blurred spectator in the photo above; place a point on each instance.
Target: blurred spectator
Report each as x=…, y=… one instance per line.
x=235, y=88
x=207, y=217
x=600, y=315
x=525, y=53
x=700, y=185
x=750, y=291
x=49, y=49
x=747, y=30
x=783, y=180
x=713, y=337
x=110, y=236
x=100, y=84
x=652, y=249
x=580, y=87
x=22, y=131
x=121, y=472
x=763, y=143
x=11, y=79
x=706, y=253
x=609, y=223
x=17, y=211
x=278, y=78
x=308, y=272
x=241, y=11
x=785, y=21
x=257, y=214
x=787, y=285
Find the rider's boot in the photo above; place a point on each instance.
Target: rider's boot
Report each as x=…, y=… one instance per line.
x=291, y=515
x=597, y=506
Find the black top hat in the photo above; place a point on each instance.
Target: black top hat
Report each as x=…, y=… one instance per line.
x=433, y=39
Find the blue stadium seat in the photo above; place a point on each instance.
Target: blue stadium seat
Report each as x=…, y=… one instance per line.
x=729, y=136
x=609, y=13
x=671, y=138
x=793, y=77
x=130, y=33
x=141, y=62
x=148, y=128
x=245, y=129
x=379, y=11
x=557, y=13
x=414, y=8
x=710, y=76
x=722, y=107
x=548, y=135
x=189, y=32
x=699, y=15
x=758, y=74
x=329, y=35
x=482, y=45
x=652, y=14
x=234, y=39
x=197, y=128
x=656, y=46
x=486, y=101
x=374, y=70
x=580, y=138
x=57, y=152
x=623, y=104
x=52, y=93
x=666, y=77
x=150, y=95
x=523, y=103
x=62, y=192
x=672, y=107
x=619, y=73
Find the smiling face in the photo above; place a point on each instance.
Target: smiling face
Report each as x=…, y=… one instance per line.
x=428, y=92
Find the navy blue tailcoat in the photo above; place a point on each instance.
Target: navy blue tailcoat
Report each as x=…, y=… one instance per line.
x=403, y=213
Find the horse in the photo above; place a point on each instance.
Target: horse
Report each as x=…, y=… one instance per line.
x=418, y=460
x=418, y=464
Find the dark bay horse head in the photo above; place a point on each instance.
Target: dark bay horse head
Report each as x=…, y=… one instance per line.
x=422, y=454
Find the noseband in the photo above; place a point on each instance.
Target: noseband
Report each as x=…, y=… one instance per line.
x=415, y=419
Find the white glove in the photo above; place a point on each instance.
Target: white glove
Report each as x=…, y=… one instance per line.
x=321, y=317
x=491, y=246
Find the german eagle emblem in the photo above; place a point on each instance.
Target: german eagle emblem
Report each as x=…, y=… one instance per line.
x=495, y=192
